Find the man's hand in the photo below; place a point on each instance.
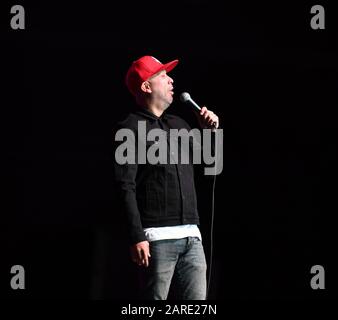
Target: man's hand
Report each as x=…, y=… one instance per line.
x=208, y=119
x=140, y=253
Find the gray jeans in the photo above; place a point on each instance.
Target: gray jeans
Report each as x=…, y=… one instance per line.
x=180, y=262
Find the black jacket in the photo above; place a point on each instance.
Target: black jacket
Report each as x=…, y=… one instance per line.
x=154, y=195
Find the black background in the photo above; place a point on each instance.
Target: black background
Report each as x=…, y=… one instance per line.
x=260, y=67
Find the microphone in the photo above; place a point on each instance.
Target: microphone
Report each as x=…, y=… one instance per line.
x=185, y=97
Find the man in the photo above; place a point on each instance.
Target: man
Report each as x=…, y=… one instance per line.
x=159, y=200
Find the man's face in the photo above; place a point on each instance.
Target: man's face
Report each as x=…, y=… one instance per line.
x=162, y=88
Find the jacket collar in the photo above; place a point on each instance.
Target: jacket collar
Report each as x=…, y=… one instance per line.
x=148, y=114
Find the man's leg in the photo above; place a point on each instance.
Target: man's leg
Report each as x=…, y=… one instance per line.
x=191, y=271
x=157, y=277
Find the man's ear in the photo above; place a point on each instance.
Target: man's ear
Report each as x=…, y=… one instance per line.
x=145, y=87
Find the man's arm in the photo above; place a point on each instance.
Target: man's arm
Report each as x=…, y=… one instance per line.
x=125, y=182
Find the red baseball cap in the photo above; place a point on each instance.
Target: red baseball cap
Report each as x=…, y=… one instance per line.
x=142, y=69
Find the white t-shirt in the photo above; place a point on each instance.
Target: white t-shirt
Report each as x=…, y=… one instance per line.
x=174, y=232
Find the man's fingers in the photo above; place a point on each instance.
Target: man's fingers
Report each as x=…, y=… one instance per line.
x=207, y=114
x=212, y=118
x=145, y=262
x=140, y=253
x=144, y=259
x=208, y=118
x=203, y=111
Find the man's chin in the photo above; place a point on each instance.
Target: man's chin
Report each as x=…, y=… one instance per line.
x=168, y=103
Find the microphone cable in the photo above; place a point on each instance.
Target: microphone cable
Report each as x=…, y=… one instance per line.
x=186, y=98
x=212, y=221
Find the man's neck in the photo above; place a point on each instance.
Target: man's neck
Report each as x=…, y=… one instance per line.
x=155, y=110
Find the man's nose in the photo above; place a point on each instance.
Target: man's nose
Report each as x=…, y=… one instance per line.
x=170, y=80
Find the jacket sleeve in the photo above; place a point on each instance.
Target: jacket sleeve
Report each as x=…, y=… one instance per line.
x=125, y=186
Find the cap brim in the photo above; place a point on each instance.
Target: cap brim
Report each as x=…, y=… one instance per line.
x=167, y=67
x=170, y=65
